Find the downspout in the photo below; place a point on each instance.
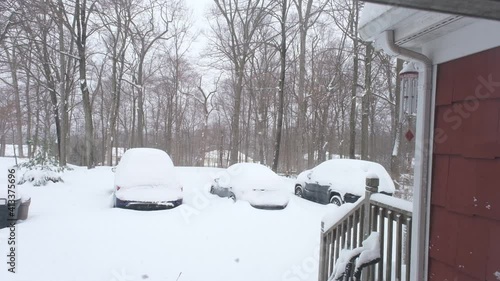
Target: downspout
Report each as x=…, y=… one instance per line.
x=423, y=160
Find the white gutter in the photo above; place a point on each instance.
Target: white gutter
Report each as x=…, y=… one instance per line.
x=423, y=160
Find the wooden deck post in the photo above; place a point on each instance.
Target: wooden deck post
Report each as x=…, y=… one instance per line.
x=372, y=183
x=371, y=187
x=323, y=258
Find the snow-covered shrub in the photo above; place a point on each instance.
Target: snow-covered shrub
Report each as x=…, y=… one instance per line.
x=40, y=177
x=404, y=188
x=41, y=169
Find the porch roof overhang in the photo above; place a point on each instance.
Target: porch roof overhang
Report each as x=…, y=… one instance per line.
x=487, y=9
x=412, y=28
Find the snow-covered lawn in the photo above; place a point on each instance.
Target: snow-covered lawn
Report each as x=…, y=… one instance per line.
x=73, y=234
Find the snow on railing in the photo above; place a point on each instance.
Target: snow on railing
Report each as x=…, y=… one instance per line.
x=360, y=257
x=374, y=215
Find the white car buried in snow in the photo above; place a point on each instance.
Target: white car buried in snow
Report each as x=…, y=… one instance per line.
x=145, y=180
x=254, y=183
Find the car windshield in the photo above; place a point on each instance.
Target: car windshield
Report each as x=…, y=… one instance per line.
x=249, y=140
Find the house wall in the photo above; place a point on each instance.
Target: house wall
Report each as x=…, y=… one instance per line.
x=464, y=235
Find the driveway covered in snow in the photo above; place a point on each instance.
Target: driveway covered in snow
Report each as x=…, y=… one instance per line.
x=73, y=234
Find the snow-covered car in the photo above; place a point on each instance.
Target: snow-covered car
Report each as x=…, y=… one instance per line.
x=339, y=181
x=254, y=183
x=301, y=179
x=145, y=180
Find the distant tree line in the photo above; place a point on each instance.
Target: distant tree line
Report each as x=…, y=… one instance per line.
x=287, y=83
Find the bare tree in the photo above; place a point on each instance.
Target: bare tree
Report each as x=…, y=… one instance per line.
x=281, y=86
x=365, y=101
x=144, y=34
x=116, y=17
x=207, y=102
x=234, y=30
x=10, y=16
x=307, y=17
x=13, y=63
x=75, y=17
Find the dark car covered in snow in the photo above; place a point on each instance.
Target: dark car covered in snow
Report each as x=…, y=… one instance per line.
x=340, y=181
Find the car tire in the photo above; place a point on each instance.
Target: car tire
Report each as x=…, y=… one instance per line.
x=298, y=191
x=232, y=196
x=336, y=200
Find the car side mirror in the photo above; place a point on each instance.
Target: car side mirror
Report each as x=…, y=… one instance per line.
x=113, y=169
x=309, y=175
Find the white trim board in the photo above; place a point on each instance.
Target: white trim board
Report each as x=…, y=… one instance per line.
x=479, y=36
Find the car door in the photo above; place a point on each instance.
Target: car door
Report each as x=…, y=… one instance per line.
x=309, y=188
x=317, y=192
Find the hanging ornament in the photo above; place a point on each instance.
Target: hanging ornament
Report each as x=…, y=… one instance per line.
x=409, y=89
x=409, y=135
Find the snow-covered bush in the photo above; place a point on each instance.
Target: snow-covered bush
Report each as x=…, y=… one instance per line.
x=404, y=188
x=41, y=169
x=40, y=177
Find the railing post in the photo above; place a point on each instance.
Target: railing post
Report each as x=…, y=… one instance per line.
x=323, y=269
x=371, y=187
x=372, y=183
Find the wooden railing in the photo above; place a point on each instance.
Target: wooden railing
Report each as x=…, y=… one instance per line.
x=390, y=217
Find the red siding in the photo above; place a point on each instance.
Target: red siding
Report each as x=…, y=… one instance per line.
x=465, y=202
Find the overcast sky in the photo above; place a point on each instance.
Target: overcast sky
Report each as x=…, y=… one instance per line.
x=200, y=9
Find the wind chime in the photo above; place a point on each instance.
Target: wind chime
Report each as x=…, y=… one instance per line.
x=409, y=94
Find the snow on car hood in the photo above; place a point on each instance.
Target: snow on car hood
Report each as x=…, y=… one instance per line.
x=145, y=167
x=302, y=177
x=149, y=194
x=267, y=198
x=349, y=175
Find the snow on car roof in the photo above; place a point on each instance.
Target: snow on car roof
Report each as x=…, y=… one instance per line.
x=248, y=176
x=144, y=166
x=349, y=175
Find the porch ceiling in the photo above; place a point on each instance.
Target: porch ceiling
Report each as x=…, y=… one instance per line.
x=487, y=9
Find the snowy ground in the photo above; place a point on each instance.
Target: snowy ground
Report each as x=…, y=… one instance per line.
x=73, y=234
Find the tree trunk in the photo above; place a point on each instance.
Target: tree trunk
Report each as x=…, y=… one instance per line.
x=81, y=41
x=281, y=92
x=114, y=110
x=365, y=102
x=12, y=60
x=140, y=104
x=354, y=87
x=52, y=92
x=63, y=99
x=28, y=110
x=302, y=103
x=235, y=120
x=87, y=111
